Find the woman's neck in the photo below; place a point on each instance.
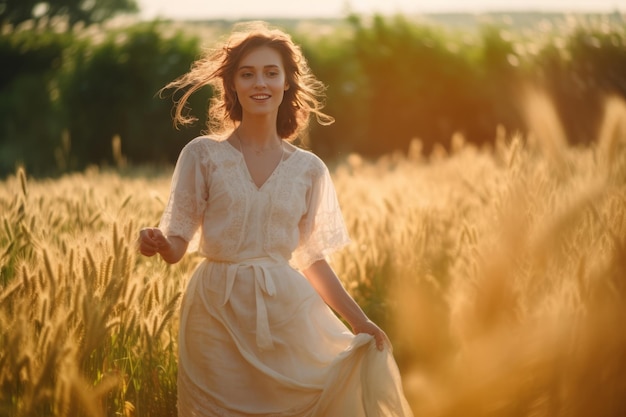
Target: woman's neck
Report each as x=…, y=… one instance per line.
x=260, y=133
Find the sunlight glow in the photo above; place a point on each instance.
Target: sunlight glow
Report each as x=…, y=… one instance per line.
x=238, y=9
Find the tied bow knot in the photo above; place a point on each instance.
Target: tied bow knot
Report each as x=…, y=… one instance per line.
x=263, y=285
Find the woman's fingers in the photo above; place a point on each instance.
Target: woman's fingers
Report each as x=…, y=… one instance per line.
x=150, y=241
x=379, y=335
x=160, y=240
x=382, y=339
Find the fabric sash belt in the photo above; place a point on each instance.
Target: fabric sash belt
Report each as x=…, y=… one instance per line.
x=263, y=285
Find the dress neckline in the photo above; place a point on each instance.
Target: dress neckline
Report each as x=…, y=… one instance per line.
x=285, y=156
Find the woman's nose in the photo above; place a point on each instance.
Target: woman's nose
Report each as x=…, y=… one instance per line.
x=260, y=81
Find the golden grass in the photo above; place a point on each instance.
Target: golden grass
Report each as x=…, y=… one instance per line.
x=498, y=273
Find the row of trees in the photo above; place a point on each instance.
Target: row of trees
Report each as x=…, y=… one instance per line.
x=85, y=12
x=393, y=80
x=65, y=98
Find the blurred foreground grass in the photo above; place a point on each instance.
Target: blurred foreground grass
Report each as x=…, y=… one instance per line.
x=498, y=273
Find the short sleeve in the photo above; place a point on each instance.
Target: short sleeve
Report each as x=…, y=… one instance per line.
x=188, y=198
x=322, y=228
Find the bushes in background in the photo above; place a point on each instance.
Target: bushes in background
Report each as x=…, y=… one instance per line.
x=71, y=100
x=419, y=81
x=394, y=80
x=31, y=119
x=111, y=90
x=580, y=70
x=66, y=99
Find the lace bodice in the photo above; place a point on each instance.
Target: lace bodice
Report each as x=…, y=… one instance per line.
x=215, y=205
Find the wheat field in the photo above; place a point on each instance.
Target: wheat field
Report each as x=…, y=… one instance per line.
x=499, y=274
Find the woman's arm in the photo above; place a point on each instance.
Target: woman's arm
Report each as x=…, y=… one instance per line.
x=327, y=284
x=152, y=241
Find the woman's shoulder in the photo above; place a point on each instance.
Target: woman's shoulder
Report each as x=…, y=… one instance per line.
x=203, y=150
x=308, y=159
x=306, y=164
x=203, y=146
x=203, y=142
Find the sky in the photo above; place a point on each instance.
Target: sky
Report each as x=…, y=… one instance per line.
x=245, y=9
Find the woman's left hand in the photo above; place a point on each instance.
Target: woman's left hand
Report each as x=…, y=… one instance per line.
x=370, y=327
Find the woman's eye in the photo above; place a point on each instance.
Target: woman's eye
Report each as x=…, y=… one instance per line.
x=246, y=74
x=272, y=74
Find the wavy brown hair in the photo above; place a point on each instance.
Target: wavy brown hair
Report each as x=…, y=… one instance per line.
x=217, y=68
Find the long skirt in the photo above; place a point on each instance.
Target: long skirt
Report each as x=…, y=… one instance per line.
x=257, y=340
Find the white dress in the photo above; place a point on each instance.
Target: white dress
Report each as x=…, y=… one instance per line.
x=255, y=337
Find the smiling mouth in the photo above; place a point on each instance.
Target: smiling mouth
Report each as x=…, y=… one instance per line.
x=260, y=97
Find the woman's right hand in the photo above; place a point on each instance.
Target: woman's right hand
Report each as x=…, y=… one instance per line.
x=151, y=241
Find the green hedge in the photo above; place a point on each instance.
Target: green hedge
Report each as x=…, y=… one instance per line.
x=30, y=112
x=590, y=64
x=110, y=90
x=392, y=80
x=64, y=97
x=406, y=81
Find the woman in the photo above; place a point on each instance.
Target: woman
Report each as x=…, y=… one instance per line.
x=257, y=336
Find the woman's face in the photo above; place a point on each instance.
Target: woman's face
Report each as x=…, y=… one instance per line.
x=260, y=82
